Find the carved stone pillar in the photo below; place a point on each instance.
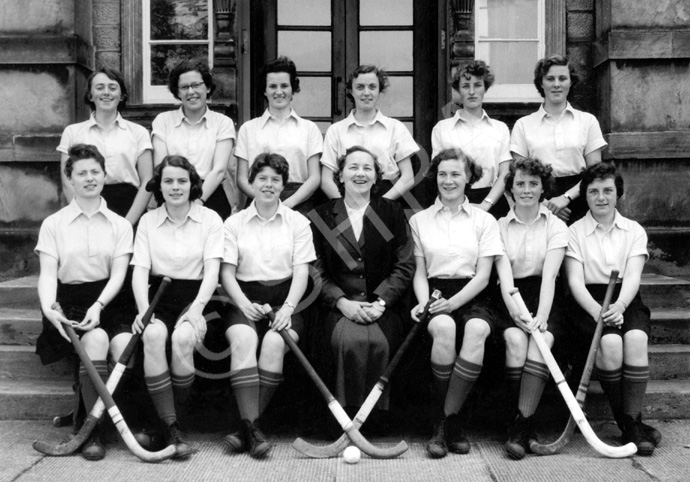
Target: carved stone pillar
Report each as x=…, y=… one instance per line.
x=462, y=31
x=224, y=54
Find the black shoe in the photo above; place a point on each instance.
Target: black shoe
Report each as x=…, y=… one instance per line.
x=235, y=442
x=517, y=444
x=457, y=443
x=652, y=434
x=174, y=436
x=635, y=433
x=94, y=448
x=256, y=441
x=436, y=446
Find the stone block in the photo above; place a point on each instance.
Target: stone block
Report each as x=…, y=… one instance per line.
x=42, y=99
x=37, y=17
x=580, y=5
x=649, y=95
x=106, y=37
x=580, y=26
x=108, y=59
x=30, y=193
x=646, y=14
x=106, y=13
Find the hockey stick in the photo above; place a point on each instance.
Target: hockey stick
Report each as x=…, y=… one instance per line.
x=106, y=400
x=336, y=409
x=562, y=441
x=332, y=450
x=604, y=449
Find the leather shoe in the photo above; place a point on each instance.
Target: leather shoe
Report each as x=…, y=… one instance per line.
x=436, y=446
x=235, y=442
x=94, y=448
x=259, y=447
x=456, y=440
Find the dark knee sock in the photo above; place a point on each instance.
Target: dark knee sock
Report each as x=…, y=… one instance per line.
x=268, y=384
x=245, y=384
x=441, y=377
x=634, y=387
x=462, y=380
x=534, y=378
x=88, y=390
x=611, y=383
x=182, y=387
x=513, y=379
x=160, y=389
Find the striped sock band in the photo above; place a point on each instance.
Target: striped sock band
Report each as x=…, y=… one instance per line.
x=269, y=383
x=245, y=383
x=160, y=389
x=88, y=390
x=465, y=373
x=611, y=383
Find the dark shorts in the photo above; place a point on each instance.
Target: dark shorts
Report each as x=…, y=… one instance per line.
x=578, y=207
x=75, y=300
x=530, y=289
x=175, y=301
x=500, y=207
x=119, y=197
x=636, y=316
x=479, y=307
x=218, y=202
x=272, y=292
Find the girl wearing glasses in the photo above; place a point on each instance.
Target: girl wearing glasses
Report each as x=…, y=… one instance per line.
x=204, y=137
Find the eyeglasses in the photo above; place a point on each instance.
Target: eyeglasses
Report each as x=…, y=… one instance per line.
x=196, y=86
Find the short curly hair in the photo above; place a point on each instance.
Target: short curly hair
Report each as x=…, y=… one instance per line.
x=474, y=170
x=479, y=69
x=154, y=185
x=341, y=165
x=112, y=74
x=543, y=66
x=532, y=167
x=368, y=69
x=79, y=152
x=190, y=65
x=275, y=161
x=601, y=170
x=281, y=64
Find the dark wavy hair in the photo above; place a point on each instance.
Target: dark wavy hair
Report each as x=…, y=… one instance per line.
x=367, y=69
x=532, y=167
x=190, y=65
x=601, y=170
x=474, y=170
x=479, y=69
x=154, y=185
x=275, y=161
x=543, y=66
x=79, y=152
x=341, y=165
x=281, y=64
x=112, y=74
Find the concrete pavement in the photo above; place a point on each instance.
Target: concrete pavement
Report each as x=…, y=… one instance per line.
x=486, y=461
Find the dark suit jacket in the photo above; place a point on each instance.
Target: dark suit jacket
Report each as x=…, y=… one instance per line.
x=387, y=251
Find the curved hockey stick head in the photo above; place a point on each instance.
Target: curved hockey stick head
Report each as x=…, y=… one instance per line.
x=72, y=445
x=321, y=451
x=371, y=450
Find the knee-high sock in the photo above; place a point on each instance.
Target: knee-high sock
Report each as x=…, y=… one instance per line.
x=268, y=384
x=245, y=384
x=462, y=380
x=534, y=378
x=182, y=387
x=611, y=383
x=513, y=379
x=160, y=389
x=88, y=390
x=634, y=387
x=441, y=376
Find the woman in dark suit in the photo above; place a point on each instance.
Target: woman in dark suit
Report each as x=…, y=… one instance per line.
x=364, y=257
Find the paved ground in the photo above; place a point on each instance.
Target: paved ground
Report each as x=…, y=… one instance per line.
x=486, y=461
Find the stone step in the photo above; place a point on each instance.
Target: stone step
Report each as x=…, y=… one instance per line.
x=668, y=362
x=35, y=399
x=670, y=327
x=20, y=362
x=19, y=293
x=19, y=326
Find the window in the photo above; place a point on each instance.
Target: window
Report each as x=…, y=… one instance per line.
x=510, y=36
x=172, y=30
